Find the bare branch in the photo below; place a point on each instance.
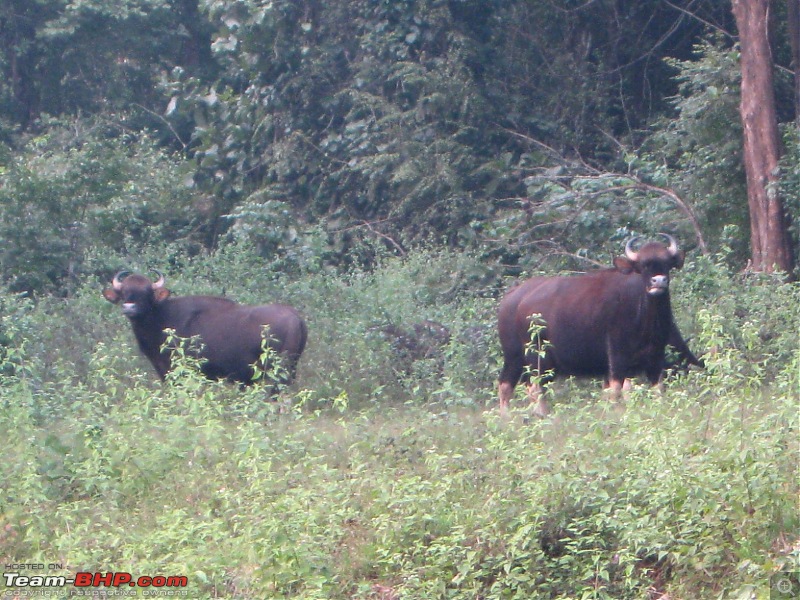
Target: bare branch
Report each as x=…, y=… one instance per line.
x=697, y=18
x=164, y=120
x=369, y=226
x=682, y=205
x=389, y=239
x=551, y=151
x=586, y=259
x=595, y=174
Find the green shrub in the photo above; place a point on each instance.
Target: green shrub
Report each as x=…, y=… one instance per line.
x=77, y=189
x=379, y=484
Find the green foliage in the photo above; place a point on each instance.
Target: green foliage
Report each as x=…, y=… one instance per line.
x=379, y=165
x=260, y=146
x=578, y=217
x=537, y=347
x=790, y=185
x=757, y=315
x=66, y=58
x=320, y=131
x=73, y=191
x=383, y=122
x=323, y=131
x=380, y=483
x=702, y=143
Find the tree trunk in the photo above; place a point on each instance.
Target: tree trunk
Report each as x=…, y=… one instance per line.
x=769, y=238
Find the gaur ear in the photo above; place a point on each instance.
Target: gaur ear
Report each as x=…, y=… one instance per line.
x=624, y=264
x=161, y=294
x=678, y=259
x=111, y=295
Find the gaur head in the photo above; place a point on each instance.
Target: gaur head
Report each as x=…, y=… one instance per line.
x=653, y=262
x=138, y=294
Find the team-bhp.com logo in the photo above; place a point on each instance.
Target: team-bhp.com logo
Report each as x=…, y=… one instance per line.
x=88, y=580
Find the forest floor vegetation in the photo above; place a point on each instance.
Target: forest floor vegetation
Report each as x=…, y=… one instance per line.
x=386, y=473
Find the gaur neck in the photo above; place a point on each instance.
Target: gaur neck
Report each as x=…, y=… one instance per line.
x=656, y=312
x=149, y=332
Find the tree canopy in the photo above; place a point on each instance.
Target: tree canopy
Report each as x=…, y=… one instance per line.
x=530, y=131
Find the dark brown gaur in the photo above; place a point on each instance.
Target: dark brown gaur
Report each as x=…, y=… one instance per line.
x=612, y=323
x=230, y=334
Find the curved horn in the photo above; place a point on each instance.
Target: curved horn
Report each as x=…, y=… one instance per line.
x=629, y=252
x=673, y=245
x=116, y=283
x=159, y=283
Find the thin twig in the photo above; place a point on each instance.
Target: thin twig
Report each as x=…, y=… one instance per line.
x=705, y=22
x=389, y=239
x=164, y=120
x=637, y=184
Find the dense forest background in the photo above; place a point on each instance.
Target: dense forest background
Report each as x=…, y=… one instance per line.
x=326, y=133
x=389, y=168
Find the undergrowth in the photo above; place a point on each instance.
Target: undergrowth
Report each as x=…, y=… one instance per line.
x=387, y=474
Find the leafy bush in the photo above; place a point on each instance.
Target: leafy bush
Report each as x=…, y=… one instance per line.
x=70, y=193
x=379, y=483
x=701, y=148
x=790, y=185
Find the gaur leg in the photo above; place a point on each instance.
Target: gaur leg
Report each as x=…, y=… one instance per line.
x=655, y=376
x=540, y=376
x=627, y=386
x=505, y=390
x=616, y=380
x=537, y=398
x=291, y=368
x=616, y=386
x=512, y=370
x=616, y=375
